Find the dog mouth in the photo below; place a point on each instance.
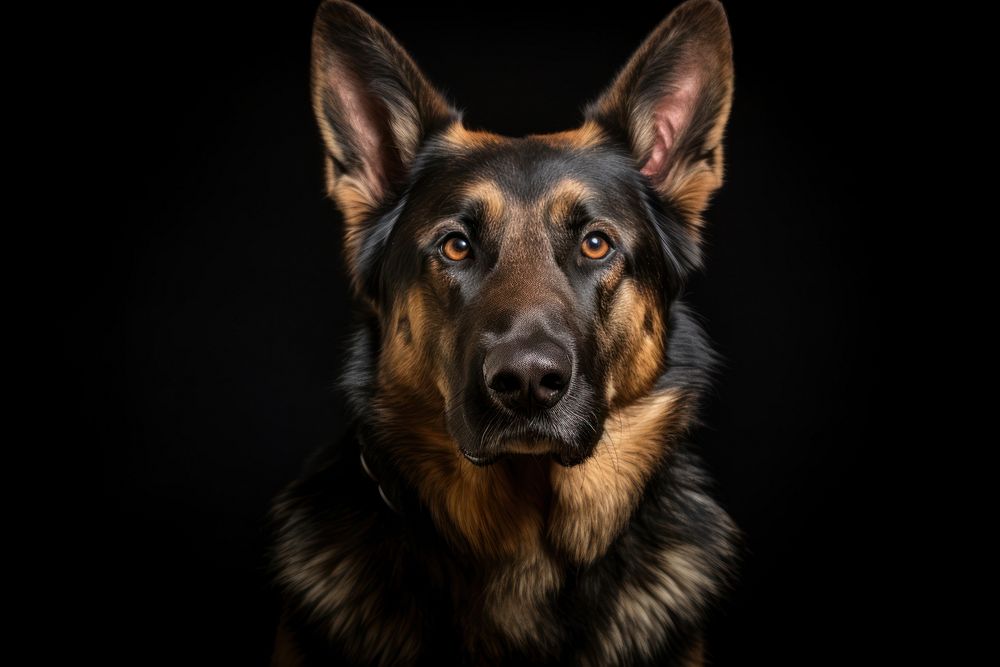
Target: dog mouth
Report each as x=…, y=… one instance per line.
x=560, y=452
x=486, y=461
x=566, y=434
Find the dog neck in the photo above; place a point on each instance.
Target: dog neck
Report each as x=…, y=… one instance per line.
x=524, y=504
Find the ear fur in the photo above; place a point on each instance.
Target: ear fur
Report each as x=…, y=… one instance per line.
x=374, y=108
x=670, y=104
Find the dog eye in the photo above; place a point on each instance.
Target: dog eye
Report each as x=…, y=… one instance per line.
x=595, y=246
x=456, y=247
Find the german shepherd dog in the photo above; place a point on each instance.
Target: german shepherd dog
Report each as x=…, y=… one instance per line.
x=516, y=486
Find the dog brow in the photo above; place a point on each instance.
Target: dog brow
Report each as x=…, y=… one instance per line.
x=486, y=198
x=565, y=200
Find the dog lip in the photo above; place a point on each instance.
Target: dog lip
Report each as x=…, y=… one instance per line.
x=481, y=461
x=568, y=461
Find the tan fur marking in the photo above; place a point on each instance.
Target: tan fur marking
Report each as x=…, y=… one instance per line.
x=399, y=365
x=486, y=507
x=562, y=197
x=639, y=351
x=459, y=137
x=587, y=135
x=593, y=501
x=487, y=193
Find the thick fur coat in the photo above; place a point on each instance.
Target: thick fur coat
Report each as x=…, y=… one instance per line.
x=517, y=485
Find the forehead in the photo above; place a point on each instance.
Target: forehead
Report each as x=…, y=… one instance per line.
x=489, y=176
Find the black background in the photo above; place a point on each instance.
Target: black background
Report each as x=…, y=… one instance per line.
x=208, y=318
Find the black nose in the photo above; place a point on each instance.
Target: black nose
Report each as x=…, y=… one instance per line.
x=527, y=374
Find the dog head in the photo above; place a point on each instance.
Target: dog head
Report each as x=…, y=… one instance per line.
x=522, y=286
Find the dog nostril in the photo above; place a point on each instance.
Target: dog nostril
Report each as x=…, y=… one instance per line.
x=505, y=383
x=553, y=381
x=527, y=375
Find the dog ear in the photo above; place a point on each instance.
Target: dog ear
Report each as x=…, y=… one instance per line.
x=374, y=108
x=670, y=104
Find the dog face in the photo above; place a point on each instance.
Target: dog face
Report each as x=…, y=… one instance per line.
x=522, y=286
x=537, y=280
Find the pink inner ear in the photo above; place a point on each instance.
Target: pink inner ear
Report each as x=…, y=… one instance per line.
x=362, y=117
x=670, y=116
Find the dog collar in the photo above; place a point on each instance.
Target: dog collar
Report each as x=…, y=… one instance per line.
x=368, y=471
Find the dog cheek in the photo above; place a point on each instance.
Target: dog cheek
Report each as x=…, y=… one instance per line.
x=408, y=346
x=634, y=333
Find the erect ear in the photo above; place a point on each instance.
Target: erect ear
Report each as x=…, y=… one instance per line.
x=670, y=103
x=373, y=107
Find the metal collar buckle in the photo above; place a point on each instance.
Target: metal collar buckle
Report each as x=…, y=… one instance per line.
x=381, y=491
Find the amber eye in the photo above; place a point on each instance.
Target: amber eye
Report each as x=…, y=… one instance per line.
x=595, y=246
x=456, y=248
